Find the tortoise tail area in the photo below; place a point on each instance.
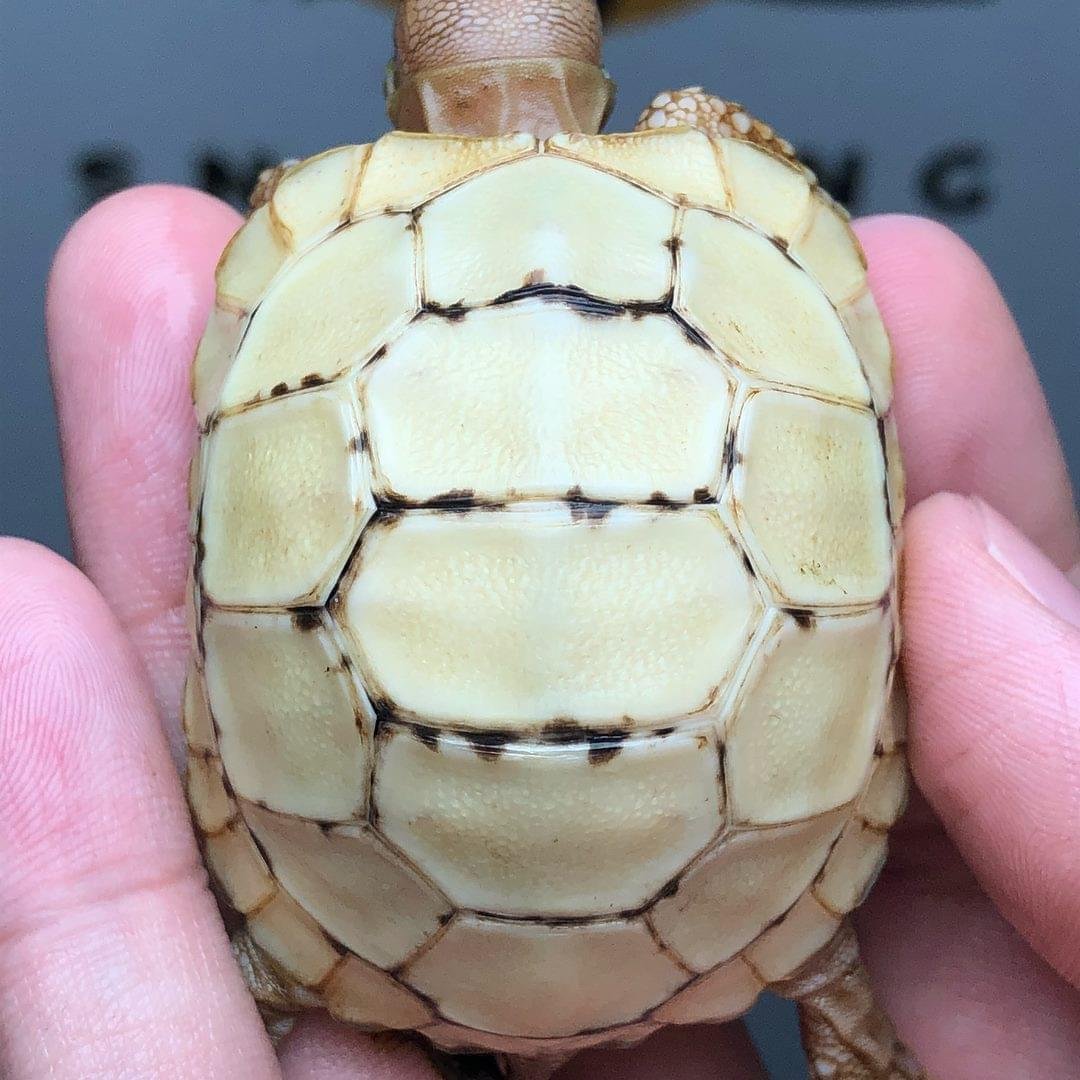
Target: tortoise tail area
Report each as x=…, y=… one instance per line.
x=846, y=1034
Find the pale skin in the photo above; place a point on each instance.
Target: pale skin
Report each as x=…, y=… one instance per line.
x=115, y=962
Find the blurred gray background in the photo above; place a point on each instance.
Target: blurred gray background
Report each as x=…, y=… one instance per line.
x=965, y=111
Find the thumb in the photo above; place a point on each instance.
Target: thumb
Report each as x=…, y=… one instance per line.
x=992, y=660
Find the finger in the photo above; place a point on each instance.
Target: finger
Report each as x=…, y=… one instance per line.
x=971, y=415
x=699, y=1052
x=319, y=1048
x=993, y=668
x=993, y=675
x=128, y=298
x=113, y=960
x=966, y=992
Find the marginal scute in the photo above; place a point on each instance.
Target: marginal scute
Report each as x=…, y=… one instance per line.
x=761, y=310
x=292, y=939
x=458, y=1039
x=810, y=496
x=895, y=471
x=732, y=893
x=357, y=888
x=254, y=256
x=866, y=329
x=280, y=510
x=724, y=993
x=214, y=357
x=830, y=251
x=852, y=869
x=198, y=727
x=407, y=168
x=362, y=994
x=286, y=713
x=209, y=801
x=337, y=305
x=803, y=739
x=518, y=619
x=236, y=865
x=570, y=830
x=806, y=929
x=539, y=399
x=893, y=733
x=680, y=164
x=886, y=795
x=315, y=197
x=502, y=976
x=546, y=219
x=770, y=192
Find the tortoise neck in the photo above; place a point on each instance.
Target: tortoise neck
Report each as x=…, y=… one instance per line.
x=495, y=67
x=538, y=94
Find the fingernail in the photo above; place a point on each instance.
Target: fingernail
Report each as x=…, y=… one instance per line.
x=1029, y=567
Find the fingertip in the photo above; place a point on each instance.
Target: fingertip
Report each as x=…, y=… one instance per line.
x=122, y=218
x=971, y=415
x=128, y=299
x=992, y=662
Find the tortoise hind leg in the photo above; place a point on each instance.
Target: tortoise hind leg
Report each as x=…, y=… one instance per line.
x=846, y=1034
x=278, y=999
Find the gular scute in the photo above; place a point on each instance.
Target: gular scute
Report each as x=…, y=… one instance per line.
x=544, y=596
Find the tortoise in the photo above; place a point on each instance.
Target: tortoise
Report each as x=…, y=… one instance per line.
x=546, y=523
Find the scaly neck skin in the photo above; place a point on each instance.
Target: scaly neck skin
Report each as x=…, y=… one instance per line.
x=493, y=67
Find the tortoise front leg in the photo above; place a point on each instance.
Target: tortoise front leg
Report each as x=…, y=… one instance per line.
x=846, y=1033
x=693, y=107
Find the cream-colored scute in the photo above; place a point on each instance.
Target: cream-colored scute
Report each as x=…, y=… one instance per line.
x=537, y=399
x=809, y=494
x=359, y=891
x=802, y=740
x=285, y=497
x=330, y=313
x=516, y=619
x=288, y=715
x=529, y=979
x=762, y=311
x=734, y=891
x=546, y=219
x=558, y=830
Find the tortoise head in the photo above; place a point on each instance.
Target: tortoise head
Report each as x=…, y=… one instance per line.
x=492, y=67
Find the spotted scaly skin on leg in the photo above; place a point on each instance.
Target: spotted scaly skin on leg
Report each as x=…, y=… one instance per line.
x=846, y=1034
x=277, y=996
x=693, y=107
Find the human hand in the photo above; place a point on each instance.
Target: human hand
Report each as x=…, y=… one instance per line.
x=114, y=961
